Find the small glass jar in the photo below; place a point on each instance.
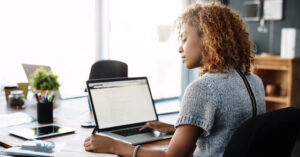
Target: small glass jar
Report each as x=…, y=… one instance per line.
x=16, y=99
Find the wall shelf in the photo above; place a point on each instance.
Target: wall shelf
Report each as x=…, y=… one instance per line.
x=270, y=67
x=284, y=75
x=277, y=99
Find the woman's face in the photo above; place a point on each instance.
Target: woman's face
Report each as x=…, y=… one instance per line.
x=191, y=47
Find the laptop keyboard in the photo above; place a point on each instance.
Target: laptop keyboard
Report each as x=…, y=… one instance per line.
x=132, y=131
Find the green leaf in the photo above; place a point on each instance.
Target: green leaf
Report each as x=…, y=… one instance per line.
x=43, y=80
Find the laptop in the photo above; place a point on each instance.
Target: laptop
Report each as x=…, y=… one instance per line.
x=29, y=70
x=121, y=106
x=63, y=93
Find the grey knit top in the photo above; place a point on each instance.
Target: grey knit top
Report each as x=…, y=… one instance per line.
x=218, y=103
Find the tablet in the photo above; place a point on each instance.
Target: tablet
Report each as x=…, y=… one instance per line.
x=41, y=131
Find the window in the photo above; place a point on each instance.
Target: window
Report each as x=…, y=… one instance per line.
x=143, y=35
x=58, y=33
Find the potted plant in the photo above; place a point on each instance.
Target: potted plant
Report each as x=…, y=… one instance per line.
x=43, y=80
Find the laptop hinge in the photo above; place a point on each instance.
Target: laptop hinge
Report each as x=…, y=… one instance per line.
x=95, y=130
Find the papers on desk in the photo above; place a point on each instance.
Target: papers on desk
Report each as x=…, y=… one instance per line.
x=18, y=151
x=85, y=154
x=60, y=150
x=72, y=148
x=14, y=119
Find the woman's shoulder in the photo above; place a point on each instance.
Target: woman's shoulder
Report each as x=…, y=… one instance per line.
x=202, y=81
x=221, y=78
x=255, y=77
x=211, y=78
x=205, y=83
x=256, y=81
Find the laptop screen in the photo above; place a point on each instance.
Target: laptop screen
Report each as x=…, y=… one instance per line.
x=118, y=103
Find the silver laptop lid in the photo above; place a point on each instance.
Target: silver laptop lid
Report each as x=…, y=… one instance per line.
x=30, y=69
x=121, y=102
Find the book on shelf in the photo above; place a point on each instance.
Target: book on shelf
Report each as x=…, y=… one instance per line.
x=289, y=39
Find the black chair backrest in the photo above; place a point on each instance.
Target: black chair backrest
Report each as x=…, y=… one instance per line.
x=271, y=134
x=108, y=69
x=296, y=149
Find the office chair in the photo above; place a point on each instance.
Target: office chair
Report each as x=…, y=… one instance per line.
x=106, y=69
x=268, y=135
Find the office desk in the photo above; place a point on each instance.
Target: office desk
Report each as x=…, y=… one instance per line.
x=70, y=113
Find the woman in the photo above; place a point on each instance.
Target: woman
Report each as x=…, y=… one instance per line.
x=215, y=39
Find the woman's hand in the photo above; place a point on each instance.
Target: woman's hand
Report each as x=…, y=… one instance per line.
x=99, y=144
x=159, y=126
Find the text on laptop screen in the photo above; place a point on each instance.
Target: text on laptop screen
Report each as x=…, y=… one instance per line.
x=122, y=102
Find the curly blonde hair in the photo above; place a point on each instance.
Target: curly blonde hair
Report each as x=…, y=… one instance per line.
x=225, y=37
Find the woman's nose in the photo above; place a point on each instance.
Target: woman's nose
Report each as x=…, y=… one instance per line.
x=180, y=49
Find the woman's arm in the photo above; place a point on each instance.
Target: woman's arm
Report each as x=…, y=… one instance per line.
x=159, y=126
x=181, y=145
